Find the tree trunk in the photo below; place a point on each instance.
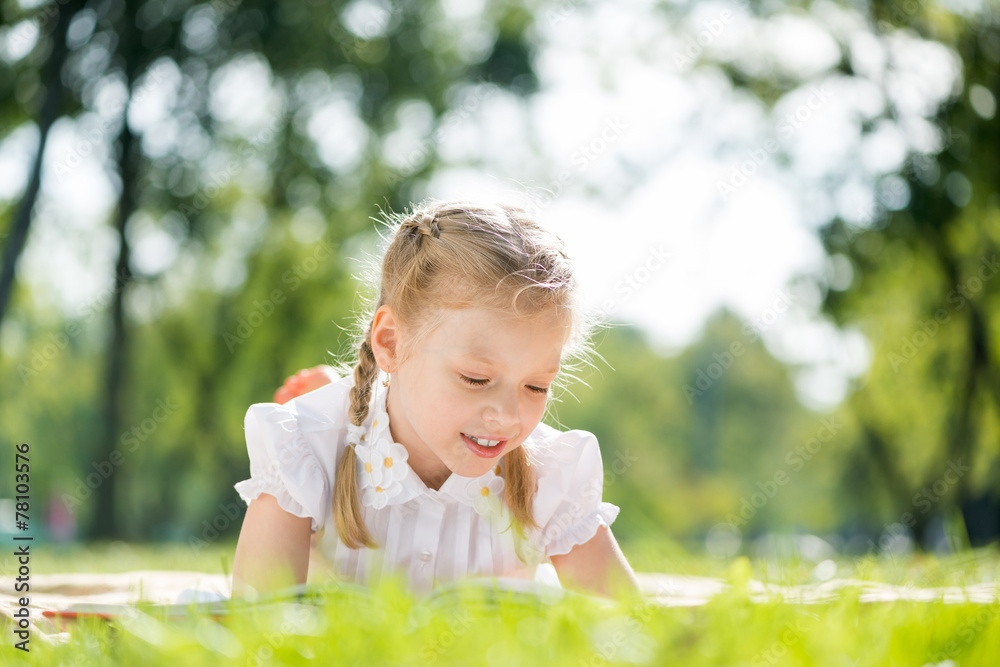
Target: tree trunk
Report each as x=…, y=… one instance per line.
x=104, y=523
x=54, y=90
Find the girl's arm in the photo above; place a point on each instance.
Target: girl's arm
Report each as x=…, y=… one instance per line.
x=597, y=566
x=273, y=548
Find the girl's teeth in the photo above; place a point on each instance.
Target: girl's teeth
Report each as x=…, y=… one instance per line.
x=484, y=443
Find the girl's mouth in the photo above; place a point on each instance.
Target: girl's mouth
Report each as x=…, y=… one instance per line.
x=487, y=449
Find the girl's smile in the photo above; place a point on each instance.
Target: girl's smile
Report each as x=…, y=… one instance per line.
x=471, y=389
x=485, y=447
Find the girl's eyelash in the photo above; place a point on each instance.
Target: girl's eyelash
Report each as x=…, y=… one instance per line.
x=478, y=382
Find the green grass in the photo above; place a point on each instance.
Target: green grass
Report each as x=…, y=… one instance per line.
x=391, y=627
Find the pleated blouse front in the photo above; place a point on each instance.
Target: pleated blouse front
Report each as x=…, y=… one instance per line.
x=428, y=536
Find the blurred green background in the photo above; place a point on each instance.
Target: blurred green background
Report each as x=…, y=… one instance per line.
x=160, y=275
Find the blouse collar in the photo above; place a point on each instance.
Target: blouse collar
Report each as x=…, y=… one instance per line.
x=386, y=478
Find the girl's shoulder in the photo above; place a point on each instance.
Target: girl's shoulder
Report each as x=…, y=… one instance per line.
x=322, y=409
x=568, y=503
x=294, y=449
x=549, y=439
x=310, y=427
x=561, y=456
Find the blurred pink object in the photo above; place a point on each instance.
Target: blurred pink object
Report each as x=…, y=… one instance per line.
x=303, y=382
x=62, y=524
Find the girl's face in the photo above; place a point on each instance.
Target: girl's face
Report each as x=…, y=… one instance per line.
x=478, y=377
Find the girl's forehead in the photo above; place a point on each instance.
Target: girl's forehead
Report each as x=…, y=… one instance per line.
x=478, y=321
x=487, y=335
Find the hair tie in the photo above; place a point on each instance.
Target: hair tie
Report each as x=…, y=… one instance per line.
x=355, y=434
x=424, y=224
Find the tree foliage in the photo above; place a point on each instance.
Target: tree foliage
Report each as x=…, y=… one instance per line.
x=255, y=207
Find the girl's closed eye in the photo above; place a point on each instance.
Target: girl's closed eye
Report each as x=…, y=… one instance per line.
x=476, y=382
x=482, y=382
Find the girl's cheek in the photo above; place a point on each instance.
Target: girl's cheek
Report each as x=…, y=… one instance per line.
x=538, y=410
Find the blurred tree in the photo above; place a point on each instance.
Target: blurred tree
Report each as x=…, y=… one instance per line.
x=12, y=114
x=687, y=440
x=249, y=141
x=917, y=266
x=924, y=286
x=915, y=269
x=275, y=121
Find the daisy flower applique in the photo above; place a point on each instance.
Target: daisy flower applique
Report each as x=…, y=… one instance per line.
x=487, y=496
x=382, y=467
x=356, y=434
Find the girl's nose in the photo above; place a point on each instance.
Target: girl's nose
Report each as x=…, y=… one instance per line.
x=502, y=413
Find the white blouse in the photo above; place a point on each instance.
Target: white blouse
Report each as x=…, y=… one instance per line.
x=429, y=536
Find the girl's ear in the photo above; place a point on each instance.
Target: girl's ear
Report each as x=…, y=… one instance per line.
x=385, y=339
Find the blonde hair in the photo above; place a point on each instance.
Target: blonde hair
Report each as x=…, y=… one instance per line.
x=452, y=255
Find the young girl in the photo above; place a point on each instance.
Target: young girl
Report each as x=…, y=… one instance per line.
x=429, y=460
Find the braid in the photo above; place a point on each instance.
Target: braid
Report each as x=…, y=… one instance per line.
x=422, y=224
x=364, y=377
x=346, y=502
x=519, y=489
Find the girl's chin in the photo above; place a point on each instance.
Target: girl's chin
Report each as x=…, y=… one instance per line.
x=475, y=468
x=473, y=471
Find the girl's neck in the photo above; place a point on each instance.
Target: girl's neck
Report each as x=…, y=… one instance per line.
x=428, y=467
x=432, y=478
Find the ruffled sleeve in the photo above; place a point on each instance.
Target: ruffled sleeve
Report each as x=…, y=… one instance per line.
x=284, y=464
x=568, y=506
